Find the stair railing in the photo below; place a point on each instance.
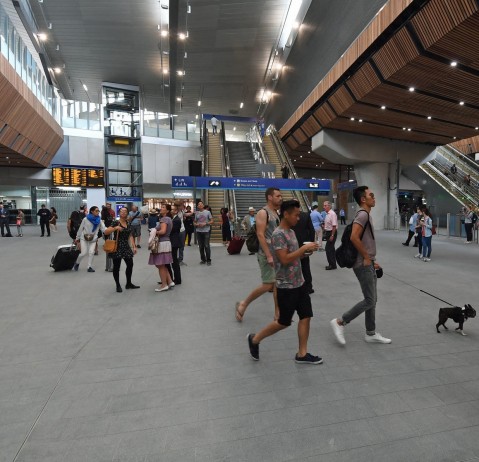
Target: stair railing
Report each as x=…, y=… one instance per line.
x=463, y=162
x=230, y=198
x=256, y=143
x=467, y=160
x=204, y=159
x=285, y=159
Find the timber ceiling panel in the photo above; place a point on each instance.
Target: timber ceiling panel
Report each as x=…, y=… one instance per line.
x=311, y=126
x=363, y=81
x=341, y=100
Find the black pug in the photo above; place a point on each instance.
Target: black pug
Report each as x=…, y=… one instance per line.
x=457, y=314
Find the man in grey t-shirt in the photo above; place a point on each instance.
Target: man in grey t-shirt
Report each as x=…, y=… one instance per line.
x=362, y=237
x=203, y=221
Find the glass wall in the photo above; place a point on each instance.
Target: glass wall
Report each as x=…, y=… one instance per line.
x=80, y=114
x=17, y=54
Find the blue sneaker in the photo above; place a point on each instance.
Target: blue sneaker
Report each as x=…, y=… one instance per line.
x=308, y=359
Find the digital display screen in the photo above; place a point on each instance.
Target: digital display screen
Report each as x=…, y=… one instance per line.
x=79, y=177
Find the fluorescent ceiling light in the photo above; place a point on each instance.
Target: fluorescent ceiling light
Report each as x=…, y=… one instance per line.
x=165, y=71
x=241, y=105
x=290, y=21
x=85, y=87
x=199, y=103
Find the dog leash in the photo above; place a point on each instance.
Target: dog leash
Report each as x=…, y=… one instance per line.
x=423, y=291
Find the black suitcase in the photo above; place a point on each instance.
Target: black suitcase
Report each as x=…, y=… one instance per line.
x=65, y=257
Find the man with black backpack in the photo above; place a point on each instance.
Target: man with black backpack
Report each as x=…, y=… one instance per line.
x=366, y=269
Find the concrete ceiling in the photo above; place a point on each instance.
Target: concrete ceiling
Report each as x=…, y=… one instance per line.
x=224, y=56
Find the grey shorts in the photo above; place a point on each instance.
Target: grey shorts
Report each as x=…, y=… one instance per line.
x=136, y=230
x=268, y=275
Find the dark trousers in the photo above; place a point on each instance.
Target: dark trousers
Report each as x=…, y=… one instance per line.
x=4, y=224
x=44, y=224
x=176, y=266
x=409, y=237
x=343, y=220
x=204, y=244
x=128, y=272
x=469, y=227
x=308, y=279
x=189, y=235
x=330, y=252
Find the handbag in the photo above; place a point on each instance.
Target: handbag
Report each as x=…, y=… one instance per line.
x=88, y=237
x=110, y=245
x=434, y=231
x=154, y=247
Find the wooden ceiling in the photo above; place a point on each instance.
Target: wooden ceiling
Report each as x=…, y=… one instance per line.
x=416, y=52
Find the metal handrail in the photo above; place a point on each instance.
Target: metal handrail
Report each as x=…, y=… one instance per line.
x=256, y=142
x=286, y=159
x=227, y=171
x=470, y=166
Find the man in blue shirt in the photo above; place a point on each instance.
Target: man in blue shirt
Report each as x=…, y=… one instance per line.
x=318, y=221
x=135, y=221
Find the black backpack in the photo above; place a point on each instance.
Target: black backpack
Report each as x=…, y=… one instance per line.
x=346, y=253
x=252, y=242
x=75, y=222
x=474, y=218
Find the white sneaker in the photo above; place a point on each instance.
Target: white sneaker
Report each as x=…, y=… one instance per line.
x=163, y=289
x=427, y=259
x=376, y=338
x=419, y=255
x=171, y=285
x=338, y=331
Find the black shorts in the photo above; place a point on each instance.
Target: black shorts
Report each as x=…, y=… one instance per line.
x=136, y=230
x=291, y=300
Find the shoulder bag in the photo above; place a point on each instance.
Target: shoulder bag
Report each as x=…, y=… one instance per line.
x=111, y=245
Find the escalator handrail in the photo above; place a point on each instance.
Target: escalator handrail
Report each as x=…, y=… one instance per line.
x=462, y=157
x=227, y=171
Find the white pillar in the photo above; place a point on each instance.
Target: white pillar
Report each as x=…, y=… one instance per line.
x=95, y=196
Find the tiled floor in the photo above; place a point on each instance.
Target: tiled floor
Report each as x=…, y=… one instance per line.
x=87, y=374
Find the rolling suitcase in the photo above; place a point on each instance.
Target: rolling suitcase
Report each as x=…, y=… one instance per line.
x=65, y=257
x=235, y=245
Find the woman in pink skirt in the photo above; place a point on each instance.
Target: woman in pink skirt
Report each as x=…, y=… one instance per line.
x=163, y=257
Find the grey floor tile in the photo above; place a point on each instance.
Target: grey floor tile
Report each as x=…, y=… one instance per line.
x=388, y=403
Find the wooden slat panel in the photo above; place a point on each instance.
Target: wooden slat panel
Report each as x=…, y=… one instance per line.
x=311, y=127
x=467, y=145
x=324, y=114
x=300, y=136
x=363, y=81
x=341, y=100
x=291, y=142
x=439, y=17
x=392, y=9
x=395, y=54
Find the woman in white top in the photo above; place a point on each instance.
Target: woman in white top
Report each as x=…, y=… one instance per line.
x=87, y=235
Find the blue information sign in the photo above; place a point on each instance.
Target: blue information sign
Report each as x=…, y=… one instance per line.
x=211, y=182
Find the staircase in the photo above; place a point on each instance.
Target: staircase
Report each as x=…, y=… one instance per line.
x=215, y=199
x=243, y=164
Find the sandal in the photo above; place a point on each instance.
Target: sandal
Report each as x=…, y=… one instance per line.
x=238, y=314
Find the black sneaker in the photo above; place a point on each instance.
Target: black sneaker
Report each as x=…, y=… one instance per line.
x=253, y=348
x=208, y=263
x=308, y=359
x=202, y=262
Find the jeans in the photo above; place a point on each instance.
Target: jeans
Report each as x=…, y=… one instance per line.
x=204, y=244
x=426, y=246
x=368, y=281
x=468, y=227
x=330, y=252
x=181, y=248
x=4, y=224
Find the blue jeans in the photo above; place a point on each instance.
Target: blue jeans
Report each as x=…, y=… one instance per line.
x=426, y=246
x=368, y=281
x=204, y=245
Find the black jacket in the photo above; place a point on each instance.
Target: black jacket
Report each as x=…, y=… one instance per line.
x=304, y=229
x=175, y=232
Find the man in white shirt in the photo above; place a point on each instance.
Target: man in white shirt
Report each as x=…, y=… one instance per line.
x=330, y=233
x=214, y=124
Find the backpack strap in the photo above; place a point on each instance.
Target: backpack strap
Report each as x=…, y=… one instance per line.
x=368, y=223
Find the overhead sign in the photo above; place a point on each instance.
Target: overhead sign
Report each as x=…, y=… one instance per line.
x=85, y=177
x=188, y=182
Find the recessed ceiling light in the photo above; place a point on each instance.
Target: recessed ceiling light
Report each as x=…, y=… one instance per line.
x=383, y=107
x=42, y=37
x=178, y=99
x=166, y=52
x=241, y=105
x=404, y=128
x=461, y=103
x=360, y=120
x=411, y=88
x=454, y=137
x=408, y=129
x=234, y=129
x=301, y=157
x=164, y=33
x=477, y=128
x=309, y=152
x=165, y=71
x=316, y=165
x=196, y=116
x=429, y=117
x=352, y=118
x=181, y=36
x=453, y=63
x=57, y=70
x=199, y=103
x=180, y=72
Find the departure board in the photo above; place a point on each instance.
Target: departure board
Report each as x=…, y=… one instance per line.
x=78, y=177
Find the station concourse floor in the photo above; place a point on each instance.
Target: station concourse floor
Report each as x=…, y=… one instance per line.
x=87, y=374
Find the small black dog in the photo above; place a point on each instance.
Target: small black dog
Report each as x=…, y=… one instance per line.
x=457, y=314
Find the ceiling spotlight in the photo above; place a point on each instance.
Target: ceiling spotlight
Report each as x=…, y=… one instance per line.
x=454, y=137
x=309, y=152
x=164, y=33
x=301, y=157
x=316, y=165
x=453, y=63
x=196, y=116
x=50, y=25
x=241, y=105
x=461, y=103
x=477, y=128
x=404, y=128
x=352, y=118
x=188, y=9
x=360, y=120
x=57, y=70
x=429, y=117
x=57, y=48
x=234, y=129
x=178, y=99
x=165, y=71
x=411, y=88
x=181, y=36
x=85, y=87
x=383, y=107
x=180, y=72
x=199, y=103
x=42, y=37
x=408, y=129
